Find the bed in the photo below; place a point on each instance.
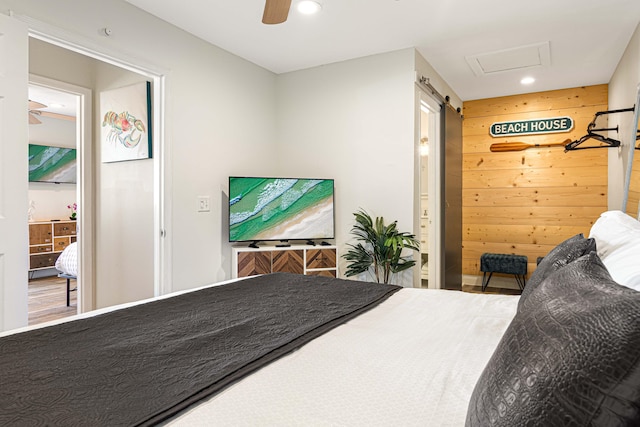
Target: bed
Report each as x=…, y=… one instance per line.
x=67, y=262
x=566, y=352
x=67, y=265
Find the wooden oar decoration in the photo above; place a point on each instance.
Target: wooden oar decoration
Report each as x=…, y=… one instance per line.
x=519, y=146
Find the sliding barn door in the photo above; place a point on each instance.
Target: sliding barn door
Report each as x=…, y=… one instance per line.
x=452, y=198
x=13, y=173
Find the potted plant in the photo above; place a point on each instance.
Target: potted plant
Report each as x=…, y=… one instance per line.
x=380, y=248
x=74, y=211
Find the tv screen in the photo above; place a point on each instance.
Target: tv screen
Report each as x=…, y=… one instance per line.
x=52, y=164
x=280, y=209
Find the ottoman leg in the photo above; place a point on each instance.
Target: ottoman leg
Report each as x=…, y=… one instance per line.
x=486, y=283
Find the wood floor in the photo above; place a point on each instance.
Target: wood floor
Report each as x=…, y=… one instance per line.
x=490, y=290
x=48, y=299
x=478, y=289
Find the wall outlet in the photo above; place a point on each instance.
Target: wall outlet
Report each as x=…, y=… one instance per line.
x=203, y=204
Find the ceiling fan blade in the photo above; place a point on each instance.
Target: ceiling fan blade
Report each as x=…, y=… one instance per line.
x=57, y=116
x=33, y=120
x=33, y=105
x=276, y=11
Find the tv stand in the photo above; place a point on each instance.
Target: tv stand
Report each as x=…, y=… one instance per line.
x=299, y=259
x=254, y=244
x=311, y=243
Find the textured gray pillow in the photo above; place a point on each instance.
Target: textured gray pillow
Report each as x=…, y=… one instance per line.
x=570, y=357
x=563, y=254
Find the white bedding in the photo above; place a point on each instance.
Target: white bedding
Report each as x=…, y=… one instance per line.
x=67, y=262
x=413, y=360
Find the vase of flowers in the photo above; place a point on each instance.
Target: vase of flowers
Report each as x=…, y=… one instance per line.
x=74, y=211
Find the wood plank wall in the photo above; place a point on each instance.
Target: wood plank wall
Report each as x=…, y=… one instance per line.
x=526, y=202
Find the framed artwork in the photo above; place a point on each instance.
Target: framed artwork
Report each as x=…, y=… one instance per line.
x=125, y=133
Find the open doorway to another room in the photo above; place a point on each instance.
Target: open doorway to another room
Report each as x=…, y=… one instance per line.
x=424, y=196
x=429, y=182
x=119, y=199
x=121, y=212
x=54, y=141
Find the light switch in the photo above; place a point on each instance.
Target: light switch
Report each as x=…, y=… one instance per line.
x=203, y=204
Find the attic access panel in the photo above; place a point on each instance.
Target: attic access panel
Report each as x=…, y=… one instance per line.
x=534, y=55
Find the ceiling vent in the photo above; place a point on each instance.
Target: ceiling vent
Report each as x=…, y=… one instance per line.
x=517, y=58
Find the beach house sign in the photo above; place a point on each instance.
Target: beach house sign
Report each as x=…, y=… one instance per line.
x=531, y=127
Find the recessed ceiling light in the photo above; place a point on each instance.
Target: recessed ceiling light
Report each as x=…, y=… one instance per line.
x=309, y=7
x=527, y=80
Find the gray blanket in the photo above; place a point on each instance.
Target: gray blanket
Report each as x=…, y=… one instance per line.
x=144, y=364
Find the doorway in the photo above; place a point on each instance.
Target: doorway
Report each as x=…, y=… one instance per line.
x=430, y=152
x=122, y=213
x=440, y=205
x=17, y=32
x=56, y=140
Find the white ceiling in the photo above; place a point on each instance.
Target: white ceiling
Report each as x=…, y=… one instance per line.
x=55, y=101
x=586, y=38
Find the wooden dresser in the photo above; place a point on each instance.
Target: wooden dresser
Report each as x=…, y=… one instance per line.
x=299, y=259
x=47, y=239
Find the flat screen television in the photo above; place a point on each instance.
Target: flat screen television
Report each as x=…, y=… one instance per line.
x=263, y=209
x=52, y=164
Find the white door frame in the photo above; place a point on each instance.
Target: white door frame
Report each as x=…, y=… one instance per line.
x=79, y=44
x=14, y=241
x=84, y=189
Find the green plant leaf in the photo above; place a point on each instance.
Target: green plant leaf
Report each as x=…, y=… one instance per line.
x=380, y=248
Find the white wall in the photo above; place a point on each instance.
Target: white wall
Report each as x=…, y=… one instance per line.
x=423, y=68
x=124, y=211
x=224, y=123
x=51, y=200
x=353, y=121
x=622, y=94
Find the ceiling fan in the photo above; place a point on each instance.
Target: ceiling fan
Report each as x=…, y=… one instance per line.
x=276, y=11
x=34, y=110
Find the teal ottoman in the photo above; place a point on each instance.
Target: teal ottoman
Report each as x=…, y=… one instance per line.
x=506, y=264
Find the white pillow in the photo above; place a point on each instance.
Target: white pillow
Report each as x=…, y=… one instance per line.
x=617, y=237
